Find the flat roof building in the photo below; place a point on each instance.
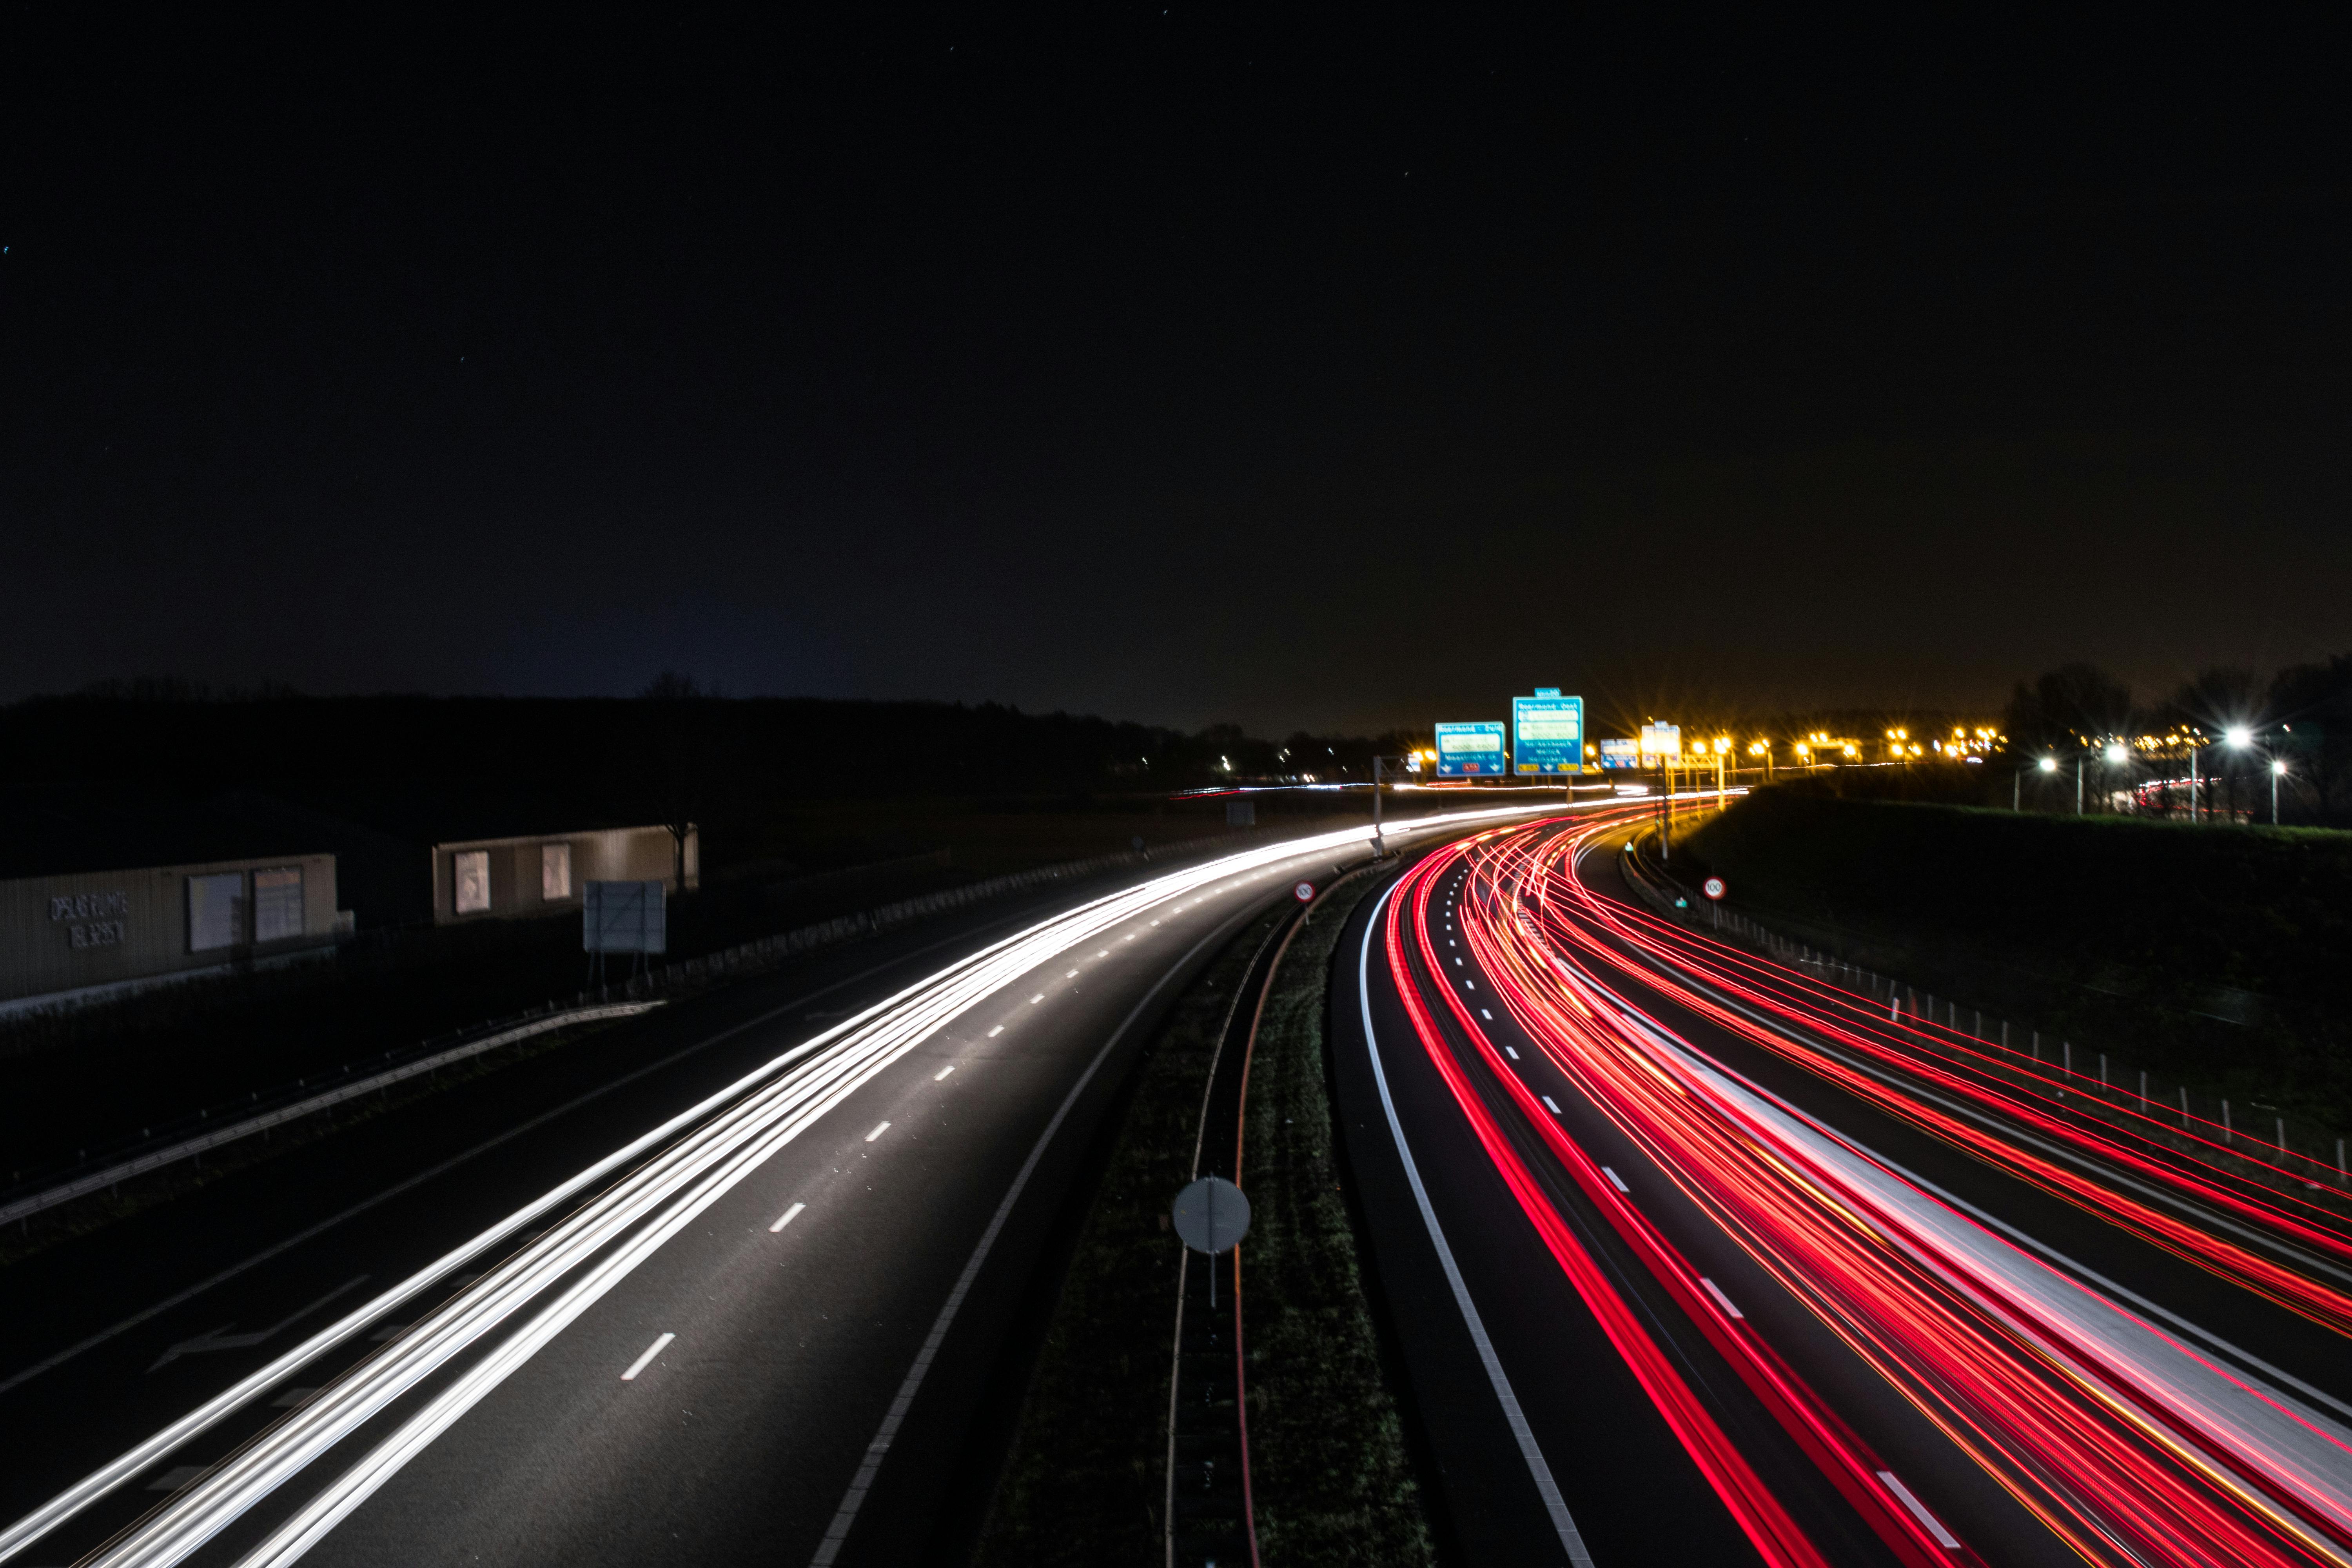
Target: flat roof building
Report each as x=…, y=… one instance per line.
x=83, y=935
x=543, y=873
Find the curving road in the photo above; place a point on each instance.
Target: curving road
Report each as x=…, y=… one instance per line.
x=709, y=1287
x=1697, y=1258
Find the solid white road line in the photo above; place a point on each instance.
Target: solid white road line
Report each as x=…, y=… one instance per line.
x=710, y=1147
x=880, y=1128
x=863, y=1481
x=645, y=1360
x=786, y=1217
x=1570, y=1540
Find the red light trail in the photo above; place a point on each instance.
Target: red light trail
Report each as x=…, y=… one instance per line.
x=2128, y=1444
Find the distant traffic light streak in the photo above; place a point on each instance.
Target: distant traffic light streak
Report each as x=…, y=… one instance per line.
x=2127, y=1444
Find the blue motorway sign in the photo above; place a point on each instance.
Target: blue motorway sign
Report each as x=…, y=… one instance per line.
x=1547, y=732
x=1621, y=753
x=1465, y=750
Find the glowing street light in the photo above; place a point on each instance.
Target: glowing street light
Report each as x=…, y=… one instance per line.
x=2238, y=735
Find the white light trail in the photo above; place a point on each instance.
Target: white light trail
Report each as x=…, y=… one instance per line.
x=710, y=1149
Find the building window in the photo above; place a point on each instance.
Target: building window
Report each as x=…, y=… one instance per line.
x=554, y=872
x=472, y=870
x=216, y=910
x=278, y=903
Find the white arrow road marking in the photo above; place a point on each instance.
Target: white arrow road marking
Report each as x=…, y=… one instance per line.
x=218, y=1341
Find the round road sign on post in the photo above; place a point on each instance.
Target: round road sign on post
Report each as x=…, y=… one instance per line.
x=1211, y=1214
x=1303, y=892
x=1712, y=887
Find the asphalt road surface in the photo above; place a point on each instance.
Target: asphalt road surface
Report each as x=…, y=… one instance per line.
x=726, y=1282
x=1697, y=1258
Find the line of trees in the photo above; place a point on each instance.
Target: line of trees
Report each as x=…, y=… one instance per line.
x=2302, y=715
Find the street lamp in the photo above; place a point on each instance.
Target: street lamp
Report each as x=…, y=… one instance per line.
x=2239, y=737
x=1380, y=845
x=2017, y=783
x=2278, y=771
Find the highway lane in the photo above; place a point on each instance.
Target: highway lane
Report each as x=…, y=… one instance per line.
x=499, y=1419
x=377, y=1201
x=1641, y=1207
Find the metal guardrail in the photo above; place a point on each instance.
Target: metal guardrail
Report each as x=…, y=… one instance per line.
x=189, y=1148
x=756, y=954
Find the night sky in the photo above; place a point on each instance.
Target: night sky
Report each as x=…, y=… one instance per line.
x=1323, y=370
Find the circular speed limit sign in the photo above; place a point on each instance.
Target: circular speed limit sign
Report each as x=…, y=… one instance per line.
x=1303, y=892
x=1712, y=887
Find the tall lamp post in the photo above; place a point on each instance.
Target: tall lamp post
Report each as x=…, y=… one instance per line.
x=2017, y=792
x=2116, y=757
x=2278, y=771
x=1380, y=845
x=2239, y=737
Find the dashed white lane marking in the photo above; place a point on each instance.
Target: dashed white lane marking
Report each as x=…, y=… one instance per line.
x=175, y=1477
x=1549, y=1106
x=786, y=1217
x=1037, y=998
x=1485, y=1014
x=291, y=1397
x=1944, y=1538
x=879, y=1128
x=1721, y=1299
x=941, y=1076
x=1510, y=1053
x=1615, y=1180
x=645, y=1360
x=996, y=1031
x=1470, y=985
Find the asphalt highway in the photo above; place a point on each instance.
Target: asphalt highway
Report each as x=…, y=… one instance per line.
x=1692, y=1260
x=726, y=1282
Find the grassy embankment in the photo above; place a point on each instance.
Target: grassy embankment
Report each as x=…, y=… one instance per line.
x=1085, y=1483
x=2215, y=955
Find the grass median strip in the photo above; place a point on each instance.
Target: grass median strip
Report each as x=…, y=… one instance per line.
x=1084, y=1481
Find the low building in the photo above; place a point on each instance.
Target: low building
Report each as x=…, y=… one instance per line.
x=543, y=873
x=70, y=936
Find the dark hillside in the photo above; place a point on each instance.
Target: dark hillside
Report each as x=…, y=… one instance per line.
x=2223, y=952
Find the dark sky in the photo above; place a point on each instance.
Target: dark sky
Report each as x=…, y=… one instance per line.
x=1325, y=369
